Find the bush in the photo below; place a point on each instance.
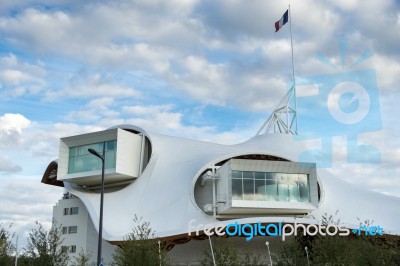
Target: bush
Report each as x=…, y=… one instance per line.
x=140, y=247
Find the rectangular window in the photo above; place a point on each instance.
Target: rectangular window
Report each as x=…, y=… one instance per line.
x=64, y=249
x=271, y=189
x=304, y=194
x=237, y=189
x=263, y=186
x=236, y=174
x=66, y=211
x=260, y=190
x=64, y=230
x=73, y=210
x=294, y=191
x=248, y=189
x=283, y=192
x=73, y=249
x=80, y=160
x=72, y=229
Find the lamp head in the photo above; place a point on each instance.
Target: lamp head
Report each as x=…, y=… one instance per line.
x=96, y=153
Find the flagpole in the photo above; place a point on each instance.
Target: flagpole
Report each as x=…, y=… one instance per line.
x=293, y=73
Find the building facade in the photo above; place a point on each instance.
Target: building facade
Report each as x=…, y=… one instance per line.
x=178, y=185
x=78, y=231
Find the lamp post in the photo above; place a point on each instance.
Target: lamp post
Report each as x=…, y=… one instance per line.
x=308, y=260
x=159, y=250
x=269, y=253
x=212, y=252
x=95, y=153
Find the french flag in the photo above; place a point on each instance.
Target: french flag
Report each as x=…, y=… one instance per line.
x=279, y=24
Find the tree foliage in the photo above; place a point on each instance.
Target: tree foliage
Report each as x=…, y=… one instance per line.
x=339, y=250
x=140, y=247
x=83, y=259
x=7, y=247
x=226, y=254
x=44, y=247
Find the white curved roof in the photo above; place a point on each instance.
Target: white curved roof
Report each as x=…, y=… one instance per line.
x=164, y=194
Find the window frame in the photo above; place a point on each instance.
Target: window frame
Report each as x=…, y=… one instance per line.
x=71, y=231
x=72, y=249
x=64, y=249
x=71, y=212
x=281, y=180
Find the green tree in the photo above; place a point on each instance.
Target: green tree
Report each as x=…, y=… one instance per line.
x=140, y=247
x=7, y=247
x=226, y=254
x=83, y=259
x=340, y=250
x=291, y=252
x=44, y=247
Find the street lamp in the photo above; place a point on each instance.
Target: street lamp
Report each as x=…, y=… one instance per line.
x=159, y=250
x=269, y=253
x=95, y=153
x=308, y=260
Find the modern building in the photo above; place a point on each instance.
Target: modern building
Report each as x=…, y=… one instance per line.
x=179, y=184
x=77, y=229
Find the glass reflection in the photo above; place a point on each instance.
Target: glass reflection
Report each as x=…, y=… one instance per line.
x=80, y=160
x=263, y=186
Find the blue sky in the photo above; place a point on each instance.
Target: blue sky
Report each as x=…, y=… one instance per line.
x=207, y=70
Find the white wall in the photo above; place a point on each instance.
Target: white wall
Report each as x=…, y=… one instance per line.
x=128, y=153
x=86, y=238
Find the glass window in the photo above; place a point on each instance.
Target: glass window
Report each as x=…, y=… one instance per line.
x=237, y=189
x=294, y=191
x=260, y=190
x=259, y=175
x=74, y=210
x=73, y=249
x=271, y=190
x=64, y=230
x=66, y=211
x=263, y=186
x=64, y=249
x=281, y=177
x=270, y=176
x=110, y=146
x=110, y=160
x=72, y=229
x=236, y=174
x=248, y=189
x=248, y=175
x=304, y=194
x=283, y=192
x=302, y=177
x=80, y=160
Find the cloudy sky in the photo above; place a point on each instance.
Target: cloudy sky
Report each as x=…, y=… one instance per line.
x=211, y=70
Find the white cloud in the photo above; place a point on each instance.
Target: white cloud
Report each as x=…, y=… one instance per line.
x=164, y=119
x=18, y=78
x=89, y=86
x=42, y=140
x=94, y=111
x=6, y=165
x=26, y=200
x=11, y=126
x=388, y=72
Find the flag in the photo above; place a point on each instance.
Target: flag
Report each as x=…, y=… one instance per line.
x=279, y=24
